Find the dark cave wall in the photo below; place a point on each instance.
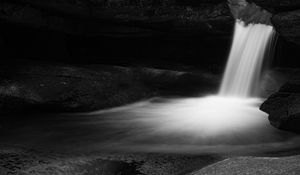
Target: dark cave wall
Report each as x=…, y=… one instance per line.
x=120, y=18
x=137, y=32
x=286, y=54
x=155, y=33
x=164, y=51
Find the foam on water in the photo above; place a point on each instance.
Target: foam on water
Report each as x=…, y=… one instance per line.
x=211, y=124
x=198, y=119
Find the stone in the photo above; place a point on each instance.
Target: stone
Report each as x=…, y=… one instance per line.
x=283, y=107
x=287, y=24
x=253, y=166
x=52, y=87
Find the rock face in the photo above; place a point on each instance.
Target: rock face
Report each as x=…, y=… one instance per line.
x=249, y=12
x=26, y=86
x=66, y=88
x=286, y=17
x=283, y=107
x=115, y=31
x=149, y=17
x=288, y=25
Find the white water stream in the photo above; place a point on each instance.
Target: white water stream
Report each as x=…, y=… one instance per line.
x=242, y=75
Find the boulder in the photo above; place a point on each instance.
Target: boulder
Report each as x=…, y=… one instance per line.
x=51, y=87
x=283, y=107
x=66, y=88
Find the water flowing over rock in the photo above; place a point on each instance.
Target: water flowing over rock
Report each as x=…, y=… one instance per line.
x=249, y=12
x=244, y=66
x=212, y=119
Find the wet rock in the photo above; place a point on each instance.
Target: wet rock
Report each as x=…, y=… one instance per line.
x=249, y=12
x=253, y=165
x=32, y=86
x=28, y=162
x=283, y=107
x=19, y=161
x=66, y=88
x=284, y=15
x=288, y=25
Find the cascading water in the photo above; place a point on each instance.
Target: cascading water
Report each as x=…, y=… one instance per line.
x=244, y=66
x=230, y=117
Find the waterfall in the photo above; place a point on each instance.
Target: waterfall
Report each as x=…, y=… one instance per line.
x=230, y=117
x=245, y=62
